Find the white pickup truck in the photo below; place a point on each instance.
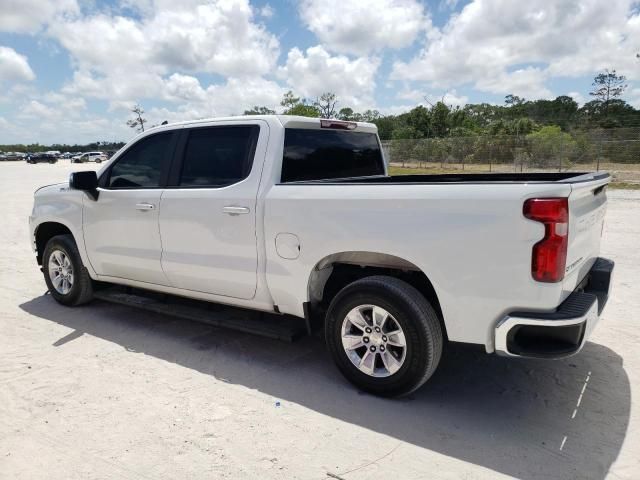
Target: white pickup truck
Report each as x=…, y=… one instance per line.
x=298, y=216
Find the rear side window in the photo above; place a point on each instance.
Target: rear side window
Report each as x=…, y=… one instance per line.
x=218, y=156
x=141, y=166
x=327, y=154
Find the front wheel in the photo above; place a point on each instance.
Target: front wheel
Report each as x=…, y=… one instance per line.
x=67, y=278
x=384, y=336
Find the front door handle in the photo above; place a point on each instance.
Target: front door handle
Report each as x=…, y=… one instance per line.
x=145, y=206
x=232, y=210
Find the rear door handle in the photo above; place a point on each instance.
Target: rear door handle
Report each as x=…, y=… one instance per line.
x=145, y=206
x=232, y=210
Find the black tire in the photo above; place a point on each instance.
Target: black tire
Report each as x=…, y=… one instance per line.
x=411, y=311
x=82, y=288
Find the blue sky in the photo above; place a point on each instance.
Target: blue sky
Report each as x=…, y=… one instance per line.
x=71, y=69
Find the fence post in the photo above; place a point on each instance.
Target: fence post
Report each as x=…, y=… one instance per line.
x=561, y=152
x=490, y=157
x=599, y=155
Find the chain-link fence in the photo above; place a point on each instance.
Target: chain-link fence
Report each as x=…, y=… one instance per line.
x=615, y=150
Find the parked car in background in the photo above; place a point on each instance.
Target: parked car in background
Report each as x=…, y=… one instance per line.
x=14, y=156
x=41, y=158
x=97, y=157
x=298, y=216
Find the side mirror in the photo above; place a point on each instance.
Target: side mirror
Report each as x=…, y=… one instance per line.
x=85, y=181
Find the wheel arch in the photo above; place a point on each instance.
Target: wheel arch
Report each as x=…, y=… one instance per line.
x=337, y=270
x=45, y=232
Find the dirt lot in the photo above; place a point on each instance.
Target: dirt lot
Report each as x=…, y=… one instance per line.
x=104, y=391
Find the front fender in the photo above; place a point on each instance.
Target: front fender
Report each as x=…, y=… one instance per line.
x=58, y=204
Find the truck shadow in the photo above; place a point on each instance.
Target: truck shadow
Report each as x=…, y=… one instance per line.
x=523, y=418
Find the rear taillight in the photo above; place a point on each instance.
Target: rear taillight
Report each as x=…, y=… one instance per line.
x=549, y=254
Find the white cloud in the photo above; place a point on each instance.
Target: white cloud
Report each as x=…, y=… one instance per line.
x=54, y=107
x=27, y=16
x=526, y=82
x=230, y=98
x=397, y=109
x=501, y=46
x=360, y=27
x=450, y=98
x=36, y=109
x=315, y=71
x=633, y=96
x=121, y=58
x=578, y=97
x=266, y=11
x=14, y=67
x=448, y=4
x=184, y=87
x=419, y=97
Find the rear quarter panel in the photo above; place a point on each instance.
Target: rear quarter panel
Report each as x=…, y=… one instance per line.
x=471, y=240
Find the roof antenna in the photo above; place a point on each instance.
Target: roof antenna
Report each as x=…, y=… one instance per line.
x=164, y=123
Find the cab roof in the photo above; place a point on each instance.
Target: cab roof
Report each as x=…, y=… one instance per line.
x=287, y=121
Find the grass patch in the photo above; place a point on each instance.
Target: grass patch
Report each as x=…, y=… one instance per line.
x=625, y=185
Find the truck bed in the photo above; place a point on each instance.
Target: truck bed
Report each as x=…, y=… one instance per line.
x=474, y=178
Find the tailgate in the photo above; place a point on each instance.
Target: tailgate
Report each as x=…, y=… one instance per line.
x=587, y=206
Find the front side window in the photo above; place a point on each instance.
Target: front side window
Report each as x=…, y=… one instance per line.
x=218, y=156
x=141, y=166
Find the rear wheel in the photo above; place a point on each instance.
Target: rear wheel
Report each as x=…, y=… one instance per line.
x=67, y=278
x=384, y=336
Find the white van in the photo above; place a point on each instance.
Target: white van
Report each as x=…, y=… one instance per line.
x=97, y=157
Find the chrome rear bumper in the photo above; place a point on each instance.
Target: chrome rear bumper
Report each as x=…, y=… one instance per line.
x=560, y=333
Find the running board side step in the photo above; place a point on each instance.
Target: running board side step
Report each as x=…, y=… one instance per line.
x=280, y=327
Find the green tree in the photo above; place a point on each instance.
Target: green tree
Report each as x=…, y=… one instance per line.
x=139, y=121
x=551, y=147
x=419, y=120
x=260, y=111
x=296, y=106
x=326, y=105
x=289, y=101
x=608, y=86
x=513, y=100
x=303, y=110
x=439, y=119
x=370, y=115
x=347, y=113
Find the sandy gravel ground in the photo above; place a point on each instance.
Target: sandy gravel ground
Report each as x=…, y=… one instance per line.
x=104, y=391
